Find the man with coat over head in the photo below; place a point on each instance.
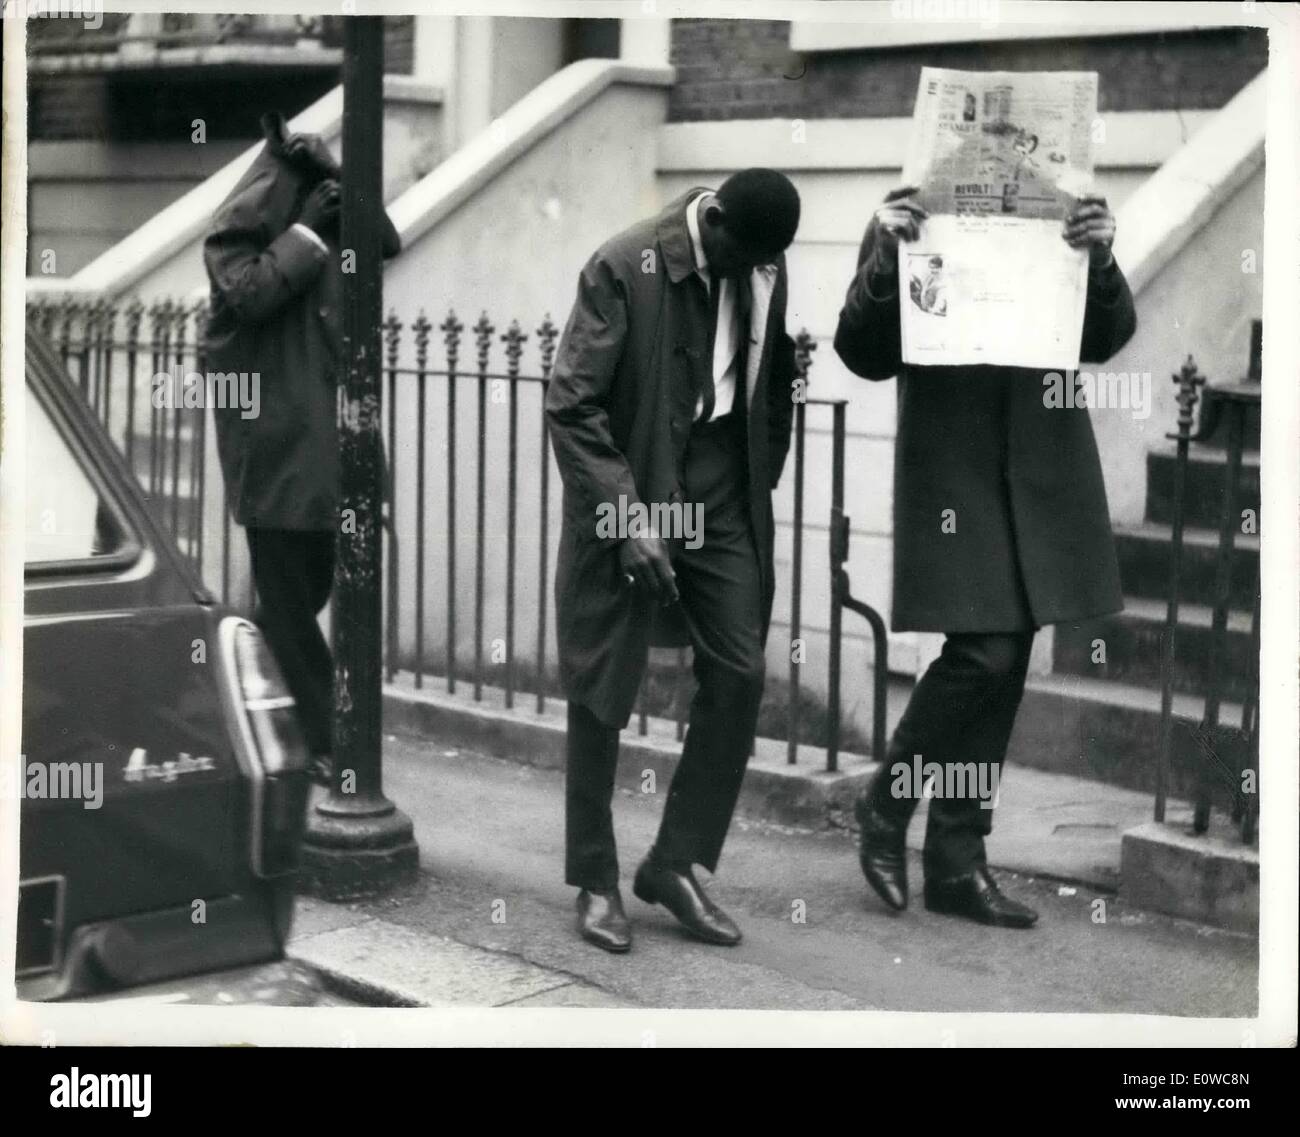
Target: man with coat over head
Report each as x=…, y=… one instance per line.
x=274, y=265
x=671, y=400
x=1000, y=526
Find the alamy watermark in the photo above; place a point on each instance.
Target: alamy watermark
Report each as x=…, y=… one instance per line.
x=951, y=780
x=667, y=519
x=1099, y=390
x=89, y=12
x=946, y=11
x=54, y=781
x=221, y=390
x=75, y=1090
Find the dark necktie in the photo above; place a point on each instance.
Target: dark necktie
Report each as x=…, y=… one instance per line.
x=709, y=392
x=744, y=302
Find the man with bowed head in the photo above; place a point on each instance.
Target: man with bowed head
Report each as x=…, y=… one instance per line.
x=672, y=386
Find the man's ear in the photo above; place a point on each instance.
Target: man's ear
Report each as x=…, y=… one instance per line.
x=714, y=213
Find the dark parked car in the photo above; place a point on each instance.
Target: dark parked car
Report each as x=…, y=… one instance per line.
x=164, y=779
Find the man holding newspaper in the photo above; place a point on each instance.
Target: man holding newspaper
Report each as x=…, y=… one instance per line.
x=1001, y=524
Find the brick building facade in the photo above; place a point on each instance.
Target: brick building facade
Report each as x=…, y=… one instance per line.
x=745, y=69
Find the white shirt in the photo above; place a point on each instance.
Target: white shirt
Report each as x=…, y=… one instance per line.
x=726, y=339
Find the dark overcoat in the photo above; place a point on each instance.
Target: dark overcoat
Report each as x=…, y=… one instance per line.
x=274, y=310
x=635, y=354
x=1029, y=542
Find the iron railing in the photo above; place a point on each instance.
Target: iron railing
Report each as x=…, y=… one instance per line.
x=1227, y=756
x=113, y=352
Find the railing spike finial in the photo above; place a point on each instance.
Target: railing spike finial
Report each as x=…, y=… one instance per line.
x=134, y=313
x=451, y=328
x=422, y=328
x=181, y=314
x=547, y=334
x=804, y=346
x=392, y=336
x=68, y=308
x=1189, y=381
x=160, y=314
x=37, y=307
x=96, y=312
x=483, y=330
x=514, y=339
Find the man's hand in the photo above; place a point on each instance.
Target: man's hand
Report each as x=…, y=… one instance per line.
x=321, y=206
x=310, y=150
x=644, y=564
x=1091, y=225
x=898, y=219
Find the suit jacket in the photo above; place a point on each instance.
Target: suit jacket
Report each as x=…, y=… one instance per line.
x=636, y=352
x=1033, y=542
x=274, y=309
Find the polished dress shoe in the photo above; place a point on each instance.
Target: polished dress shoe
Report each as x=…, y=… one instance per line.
x=882, y=853
x=602, y=921
x=679, y=892
x=976, y=896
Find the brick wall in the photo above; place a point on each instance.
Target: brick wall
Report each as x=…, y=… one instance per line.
x=124, y=106
x=735, y=69
x=399, y=45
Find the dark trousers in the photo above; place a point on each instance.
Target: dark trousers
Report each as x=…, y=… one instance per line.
x=721, y=601
x=961, y=711
x=293, y=572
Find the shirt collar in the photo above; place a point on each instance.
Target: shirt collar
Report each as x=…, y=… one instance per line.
x=697, y=243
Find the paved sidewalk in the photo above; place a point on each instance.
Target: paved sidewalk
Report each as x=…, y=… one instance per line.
x=489, y=922
x=374, y=961
x=1049, y=824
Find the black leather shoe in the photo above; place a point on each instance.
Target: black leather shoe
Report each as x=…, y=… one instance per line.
x=602, y=921
x=882, y=853
x=681, y=894
x=976, y=896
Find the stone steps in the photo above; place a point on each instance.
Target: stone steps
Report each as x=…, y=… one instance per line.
x=1109, y=731
x=1143, y=552
x=1133, y=648
x=1206, y=469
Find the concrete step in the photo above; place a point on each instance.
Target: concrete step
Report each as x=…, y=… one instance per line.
x=1212, y=877
x=1203, y=494
x=1144, y=552
x=1133, y=648
x=1109, y=732
x=1252, y=436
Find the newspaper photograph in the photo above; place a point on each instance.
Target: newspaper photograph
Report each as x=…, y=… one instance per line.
x=999, y=158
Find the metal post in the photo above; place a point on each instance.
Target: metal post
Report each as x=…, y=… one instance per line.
x=1188, y=380
x=1228, y=521
x=358, y=843
x=796, y=587
x=839, y=553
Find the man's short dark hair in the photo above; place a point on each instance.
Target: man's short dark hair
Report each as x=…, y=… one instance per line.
x=760, y=210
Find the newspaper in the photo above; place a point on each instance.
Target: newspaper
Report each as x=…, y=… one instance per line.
x=1000, y=158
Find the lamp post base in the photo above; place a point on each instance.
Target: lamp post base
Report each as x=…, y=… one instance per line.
x=353, y=850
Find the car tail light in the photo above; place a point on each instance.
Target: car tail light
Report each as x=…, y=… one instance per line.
x=273, y=751
x=267, y=703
